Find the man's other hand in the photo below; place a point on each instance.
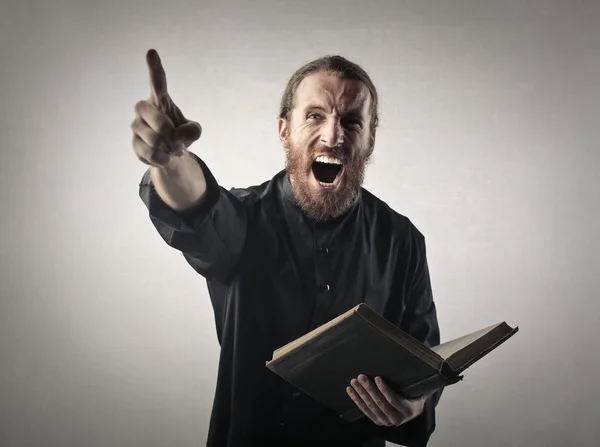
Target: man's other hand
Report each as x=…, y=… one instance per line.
x=381, y=404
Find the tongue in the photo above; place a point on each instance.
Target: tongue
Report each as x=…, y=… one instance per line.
x=325, y=172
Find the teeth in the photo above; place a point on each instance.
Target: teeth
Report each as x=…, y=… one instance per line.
x=326, y=184
x=330, y=160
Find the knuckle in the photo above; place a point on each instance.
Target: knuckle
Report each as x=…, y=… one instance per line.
x=138, y=144
x=140, y=148
x=140, y=106
x=135, y=124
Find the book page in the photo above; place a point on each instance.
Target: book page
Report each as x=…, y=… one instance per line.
x=445, y=350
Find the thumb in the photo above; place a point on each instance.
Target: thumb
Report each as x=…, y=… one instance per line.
x=187, y=133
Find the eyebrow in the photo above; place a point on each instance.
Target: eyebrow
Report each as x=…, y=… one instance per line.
x=352, y=113
x=315, y=107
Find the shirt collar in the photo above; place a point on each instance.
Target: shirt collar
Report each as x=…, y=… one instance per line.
x=287, y=188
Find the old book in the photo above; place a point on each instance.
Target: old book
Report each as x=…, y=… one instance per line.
x=360, y=341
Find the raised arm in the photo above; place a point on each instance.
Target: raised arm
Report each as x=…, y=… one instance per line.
x=190, y=211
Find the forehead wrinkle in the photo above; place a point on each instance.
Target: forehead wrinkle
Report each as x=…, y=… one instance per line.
x=342, y=104
x=348, y=96
x=351, y=97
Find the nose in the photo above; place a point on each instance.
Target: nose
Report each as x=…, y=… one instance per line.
x=332, y=133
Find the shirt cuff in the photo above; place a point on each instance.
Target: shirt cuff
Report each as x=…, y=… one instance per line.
x=415, y=433
x=187, y=220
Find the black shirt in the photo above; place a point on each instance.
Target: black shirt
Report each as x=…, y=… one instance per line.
x=273, y=274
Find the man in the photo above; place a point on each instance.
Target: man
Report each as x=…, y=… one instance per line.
x=286, y=256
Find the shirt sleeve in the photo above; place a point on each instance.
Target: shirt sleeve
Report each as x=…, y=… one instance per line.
x=211, y=236
x=419, y=319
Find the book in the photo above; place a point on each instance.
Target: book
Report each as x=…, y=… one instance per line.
x=322, y=362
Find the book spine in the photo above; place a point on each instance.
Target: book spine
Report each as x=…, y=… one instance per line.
x=427, y=385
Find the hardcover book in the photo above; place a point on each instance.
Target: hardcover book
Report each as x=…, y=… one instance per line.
x=360, y=341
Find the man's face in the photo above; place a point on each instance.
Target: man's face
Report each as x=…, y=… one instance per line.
x=328, y=141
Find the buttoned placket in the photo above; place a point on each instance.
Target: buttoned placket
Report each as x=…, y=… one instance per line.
x=323, y=279
x=322, y=295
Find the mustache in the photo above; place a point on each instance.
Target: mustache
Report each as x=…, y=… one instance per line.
x=337, y=151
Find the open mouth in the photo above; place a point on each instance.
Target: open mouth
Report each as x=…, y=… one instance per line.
x=327, y=170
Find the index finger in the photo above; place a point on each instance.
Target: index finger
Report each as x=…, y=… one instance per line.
x=158, y=79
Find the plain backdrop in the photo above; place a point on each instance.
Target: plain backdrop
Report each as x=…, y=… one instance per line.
x=489, y=143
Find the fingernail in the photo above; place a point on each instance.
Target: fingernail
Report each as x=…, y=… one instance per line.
x=362, y=378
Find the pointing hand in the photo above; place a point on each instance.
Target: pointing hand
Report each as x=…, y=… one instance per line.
x=160, y=131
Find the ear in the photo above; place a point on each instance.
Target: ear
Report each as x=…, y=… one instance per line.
x=372, y=141
x=283, y=128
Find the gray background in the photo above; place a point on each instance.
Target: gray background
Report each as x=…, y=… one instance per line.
x=488, y=142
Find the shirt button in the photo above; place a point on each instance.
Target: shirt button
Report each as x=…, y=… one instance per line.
x=325, y=287
x=296, y=393
x=323, y=251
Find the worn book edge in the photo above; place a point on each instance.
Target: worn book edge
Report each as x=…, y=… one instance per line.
x=448, y=366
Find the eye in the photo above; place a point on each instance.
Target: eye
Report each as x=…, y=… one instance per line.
x=313, y=116
x=353, y=124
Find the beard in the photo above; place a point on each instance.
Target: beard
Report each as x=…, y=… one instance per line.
x=324, y=205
